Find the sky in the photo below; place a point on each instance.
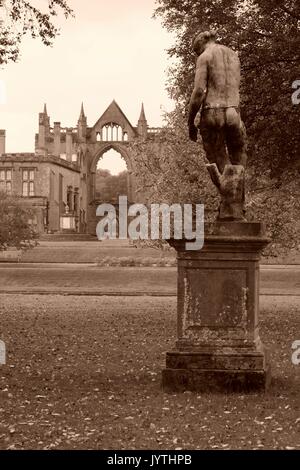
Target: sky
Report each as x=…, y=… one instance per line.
x=113, y=162
x=113, y=49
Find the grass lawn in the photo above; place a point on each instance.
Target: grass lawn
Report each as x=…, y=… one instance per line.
x=85, y=253
x=84, y=372
x=91, y=252
x=90, y=279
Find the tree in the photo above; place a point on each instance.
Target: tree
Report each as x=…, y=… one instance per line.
x=109, y=187
x=19, y=17
x=16, y=229
x=170, y=168
x=266, y=33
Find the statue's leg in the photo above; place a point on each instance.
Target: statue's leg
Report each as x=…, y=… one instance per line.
x=213, y=137
x=236, y=138
x=236, y=141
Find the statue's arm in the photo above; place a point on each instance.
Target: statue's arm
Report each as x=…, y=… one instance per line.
x=198, y=94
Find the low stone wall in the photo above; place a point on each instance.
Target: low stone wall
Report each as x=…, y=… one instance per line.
x=11, y=255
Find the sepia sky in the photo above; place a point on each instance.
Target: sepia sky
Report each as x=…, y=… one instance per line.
x=111, y=50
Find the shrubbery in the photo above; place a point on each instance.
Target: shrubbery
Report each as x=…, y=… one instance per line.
x=129, y=261
x=16, y=230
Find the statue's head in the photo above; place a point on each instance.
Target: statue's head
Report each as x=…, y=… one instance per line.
x=202, y=39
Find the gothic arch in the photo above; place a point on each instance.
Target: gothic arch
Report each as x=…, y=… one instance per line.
x=103, y=148
x=100, y=151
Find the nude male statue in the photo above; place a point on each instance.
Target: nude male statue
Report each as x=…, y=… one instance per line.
x=216, y=90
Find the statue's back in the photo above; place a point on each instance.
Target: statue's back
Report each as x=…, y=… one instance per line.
x=223, y=77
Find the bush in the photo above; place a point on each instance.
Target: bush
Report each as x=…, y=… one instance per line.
x=16, y=229
x=138, y=262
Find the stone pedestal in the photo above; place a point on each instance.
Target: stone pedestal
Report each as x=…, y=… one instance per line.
x=218, y=346
x=67, y=223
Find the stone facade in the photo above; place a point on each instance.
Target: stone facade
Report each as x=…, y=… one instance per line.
x=58, y=180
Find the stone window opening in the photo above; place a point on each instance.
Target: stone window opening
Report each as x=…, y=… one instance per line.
x=98, y=136
x=6, y=180
x=28, y=183
x=112, y=132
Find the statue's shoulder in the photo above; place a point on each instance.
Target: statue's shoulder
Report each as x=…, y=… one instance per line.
x=203, y=58
x=231, y=54
x=228, y=50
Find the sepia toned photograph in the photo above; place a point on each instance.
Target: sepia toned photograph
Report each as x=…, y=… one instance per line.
x=149, y=228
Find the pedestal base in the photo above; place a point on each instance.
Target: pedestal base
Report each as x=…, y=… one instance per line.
x=218, y=347
x=222, y=381
x=227, y=372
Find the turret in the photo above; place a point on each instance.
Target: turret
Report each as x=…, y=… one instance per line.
x=142, y=124
x=82, y=125
x=44, y=128
x=47, y=121
x=57, y=138
x=69, y=144
x=2, y=141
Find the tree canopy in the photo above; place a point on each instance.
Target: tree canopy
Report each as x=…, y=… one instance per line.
x=21, y=17
x=266, y=34
x=109, y=187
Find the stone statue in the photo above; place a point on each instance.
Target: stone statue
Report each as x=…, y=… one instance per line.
x=218, y=347
x=216, y=94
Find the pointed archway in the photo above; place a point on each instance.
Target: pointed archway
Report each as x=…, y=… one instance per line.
x=111, y=178
x=93, y=199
